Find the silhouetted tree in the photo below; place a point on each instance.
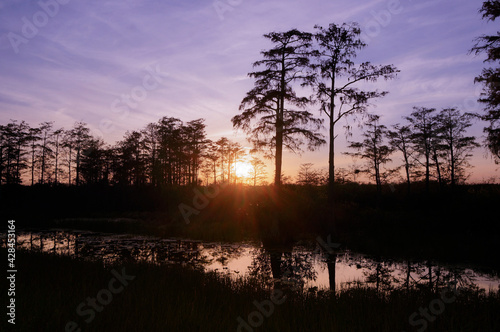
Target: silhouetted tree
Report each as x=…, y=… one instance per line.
x=131, y=152
x=170, y=134
x=490, y=78
x=422, y=123
x=341, y=175
x=151, y=145
x=235, y=150
x=67, y=142
x=33, y=138
x=457, y=146
x=308, y=176
x=401, y=139
x=223, y=150
x=258, y=171
x=380, y=274
x=373, y=149
x=13, y=141
x=79, y=136
x=437, y=149
x=45, y=146
x=196, y=143
x=93, y=162
x=212, y=158
x=277, y=124
x=206, y=171
x=57, y=146
x=338, y=77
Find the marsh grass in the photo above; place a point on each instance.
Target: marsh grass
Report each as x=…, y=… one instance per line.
x=168, y=298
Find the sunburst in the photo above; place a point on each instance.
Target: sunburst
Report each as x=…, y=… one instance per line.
x=243, y=169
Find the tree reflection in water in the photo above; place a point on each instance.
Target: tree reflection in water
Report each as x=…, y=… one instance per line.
x=282, y=267
x=287, y=267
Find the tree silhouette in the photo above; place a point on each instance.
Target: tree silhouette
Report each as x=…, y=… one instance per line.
x=33, y=138
x=196, y=144
x=373, y=149
x=94, y=162
x=457, y=146
x=131, y=154
x=423, y=124
x=258, y=171
x=13, y=141
x=151, y=146
x=338, y=76
x=67, y=142
x=223, y=150
x=277, y=125
x=211, y=159
x=46, y=143
x=400, y=139
x=234, y=151
x=57, y=145
x=308, y=176
x=169, y=131
x=490, y=78
x=79, y=135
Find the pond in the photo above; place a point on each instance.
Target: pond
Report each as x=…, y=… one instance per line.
x=307, y=266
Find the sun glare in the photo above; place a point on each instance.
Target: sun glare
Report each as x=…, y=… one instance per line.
x=243, y=169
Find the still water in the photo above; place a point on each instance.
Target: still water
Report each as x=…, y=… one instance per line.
x=307, y=266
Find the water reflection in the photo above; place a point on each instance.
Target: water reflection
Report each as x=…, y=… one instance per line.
x=297, y=267
x=283, y=267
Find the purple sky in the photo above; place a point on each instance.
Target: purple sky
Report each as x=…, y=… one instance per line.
x=86, y=58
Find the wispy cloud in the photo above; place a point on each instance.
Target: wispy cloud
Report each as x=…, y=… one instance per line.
x=92, y=52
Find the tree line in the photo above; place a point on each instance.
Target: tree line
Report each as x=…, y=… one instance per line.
x=275, y=116
x=165, y=153
x=431, y=146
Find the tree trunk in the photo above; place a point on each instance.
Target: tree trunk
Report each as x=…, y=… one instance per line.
x=331, y=262
x=18, y=164
x=43, y=158
x=407, y=170
x=78, y=166
x=452, y=161
x=408, y=275
x=57, y=159
x=438, y=169
x=427, y=170
x=215, y=174
x=331, y=149
x=7, y=175
x=276, y=263
x=69, y=167
x=32, y=164
x=279, y=150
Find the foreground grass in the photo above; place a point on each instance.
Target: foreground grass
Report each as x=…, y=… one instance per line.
x=49, y=289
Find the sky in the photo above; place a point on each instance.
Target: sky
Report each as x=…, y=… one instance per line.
x=119, y=65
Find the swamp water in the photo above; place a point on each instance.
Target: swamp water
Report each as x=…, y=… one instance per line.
x=308, y=267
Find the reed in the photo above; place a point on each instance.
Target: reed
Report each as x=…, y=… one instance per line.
x=173, y=298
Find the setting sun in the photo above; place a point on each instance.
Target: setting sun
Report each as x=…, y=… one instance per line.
x=242, y=169
x=232, y=165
